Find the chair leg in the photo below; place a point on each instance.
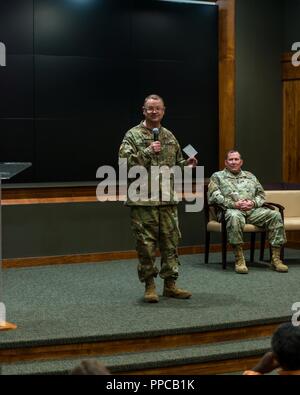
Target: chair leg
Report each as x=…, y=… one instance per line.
x=207, y=245
x=282, y=253
x=262, y=246
x=224, y=249
x=252, y=246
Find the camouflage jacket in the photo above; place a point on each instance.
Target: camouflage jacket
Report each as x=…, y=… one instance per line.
x=225, y=188
x=136, y=149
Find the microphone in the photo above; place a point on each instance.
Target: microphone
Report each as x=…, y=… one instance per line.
x=155, y=132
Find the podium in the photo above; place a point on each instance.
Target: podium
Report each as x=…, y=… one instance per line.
x=7, y=171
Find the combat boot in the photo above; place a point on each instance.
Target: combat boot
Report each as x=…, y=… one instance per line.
x=150, y=295
x=171, y=291
x=240, y=264
x=276, y=262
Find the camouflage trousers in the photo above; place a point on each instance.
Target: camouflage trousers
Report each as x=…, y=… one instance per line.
x=261, y=217
x=156, y=227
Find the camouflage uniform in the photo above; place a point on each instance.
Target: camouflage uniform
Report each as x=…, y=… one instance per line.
x=225, y=188
x=154, y=222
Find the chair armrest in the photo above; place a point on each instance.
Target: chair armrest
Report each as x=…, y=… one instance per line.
x=279, y=206
x=268, y=205
x=271, y=206
x=217, y=207
x=220, y=208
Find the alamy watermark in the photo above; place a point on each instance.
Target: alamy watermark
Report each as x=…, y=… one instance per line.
x=296, y=315
x=2, y=54
x=2, y=313
x=296, y=55
x=154, y=184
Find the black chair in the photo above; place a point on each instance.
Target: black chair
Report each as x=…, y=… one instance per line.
x=213, y=225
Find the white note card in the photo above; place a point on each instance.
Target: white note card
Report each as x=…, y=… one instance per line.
x=190, y=151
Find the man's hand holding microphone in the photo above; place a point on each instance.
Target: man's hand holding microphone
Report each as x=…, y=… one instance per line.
x=155, y=146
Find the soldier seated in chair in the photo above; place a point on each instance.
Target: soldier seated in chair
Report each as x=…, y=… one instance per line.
x=241, y=194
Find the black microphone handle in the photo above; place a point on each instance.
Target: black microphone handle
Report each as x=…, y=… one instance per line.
x=155, y=132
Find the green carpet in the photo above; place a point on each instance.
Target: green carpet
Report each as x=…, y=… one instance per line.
x=55, y=304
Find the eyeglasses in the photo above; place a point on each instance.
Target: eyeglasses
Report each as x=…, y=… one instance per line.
x=154, y=109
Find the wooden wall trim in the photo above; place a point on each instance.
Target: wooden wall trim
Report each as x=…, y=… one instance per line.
x=227, y=88
x=289, y=72
x=293, y=240
x=55, y=195
x=286, y=56
x=100, y=256
x=293, y=244
x=41, y=195
x=291, y=119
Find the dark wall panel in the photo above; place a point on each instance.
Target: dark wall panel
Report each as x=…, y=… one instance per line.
x=291, y=24
x=17, y=85
x=259, y=87
x=176, y=50
x=80, y=70
x=16, y=26
x=58, y=141
x=98, y=28
x=18, y=135
x=177, y=31
x=81, y=86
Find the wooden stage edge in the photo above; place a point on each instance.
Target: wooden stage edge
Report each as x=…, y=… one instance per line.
x=204, y=368
x=111, y=256
x=154, y=343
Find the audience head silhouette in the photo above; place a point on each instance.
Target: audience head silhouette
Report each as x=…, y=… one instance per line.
x=90, y=367
x=286, y=346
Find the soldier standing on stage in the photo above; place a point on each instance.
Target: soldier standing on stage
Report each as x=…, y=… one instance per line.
x=155, y=222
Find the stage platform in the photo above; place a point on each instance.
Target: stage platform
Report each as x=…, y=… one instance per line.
x=66, y=313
